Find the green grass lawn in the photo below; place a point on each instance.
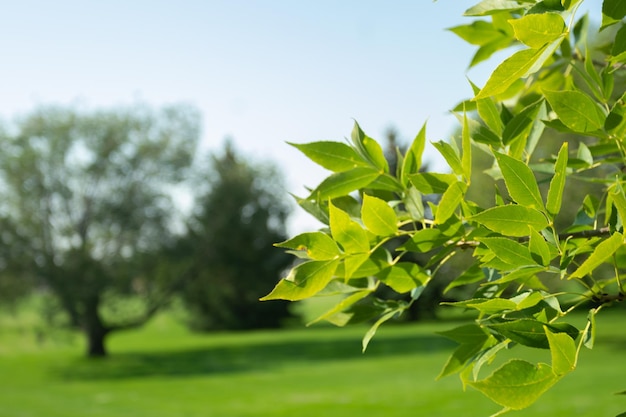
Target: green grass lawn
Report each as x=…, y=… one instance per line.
x=163, y=370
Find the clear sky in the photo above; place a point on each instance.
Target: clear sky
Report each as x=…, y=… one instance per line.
x=261, y=71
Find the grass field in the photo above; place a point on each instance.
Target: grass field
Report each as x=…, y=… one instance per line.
x=163, y=370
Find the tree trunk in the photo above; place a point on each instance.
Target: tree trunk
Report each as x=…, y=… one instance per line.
x=94, y=329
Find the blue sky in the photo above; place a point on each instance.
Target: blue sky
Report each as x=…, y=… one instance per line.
x=261, y=72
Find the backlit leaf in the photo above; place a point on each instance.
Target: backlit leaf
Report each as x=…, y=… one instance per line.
x=450, y=201
x=403, y=276
x=343, y=183
x=304, y=281
x=378, y=216
x=451, y=155
x=511, y=220
x=432, y=183
x=519, y=65
x=413, y=157
x=520, y=181
x=539, y=248
x=487, y=7
x=369, y=149
x=563, y=352
x=334, y=156
x=509, y=251
x=318, y=246
x=535, y=30
x=576, y=110
x=557, y=185
x=348, y=233
x=600, y=255
x=517, y=384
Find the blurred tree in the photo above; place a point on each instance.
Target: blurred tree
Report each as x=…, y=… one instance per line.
x=239, y=214
x=86, y=202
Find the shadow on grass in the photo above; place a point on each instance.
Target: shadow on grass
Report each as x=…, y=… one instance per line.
x=243, y=357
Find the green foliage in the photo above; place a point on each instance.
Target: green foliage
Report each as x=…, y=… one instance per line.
x=84, y=207
x=526, y=263
x=238, y=213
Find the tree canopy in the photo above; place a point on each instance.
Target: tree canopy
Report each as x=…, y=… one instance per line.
x=531, y=269
x=85, y=203
x=239, y=213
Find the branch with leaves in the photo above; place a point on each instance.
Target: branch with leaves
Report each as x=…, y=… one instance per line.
x=525, y=260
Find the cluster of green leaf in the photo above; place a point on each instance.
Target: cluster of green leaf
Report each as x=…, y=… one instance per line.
x=524, y=265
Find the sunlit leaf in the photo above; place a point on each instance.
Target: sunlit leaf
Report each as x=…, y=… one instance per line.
x=600, y=255
x=557, y=185
x=563, y=352
x=378, y=216
x=317, y=245
x=516, y=384
x=334, y=156
x=304, y=281
x=576, y=110
x=348, y=233
x=536, y=30
x=450, y=201
x=511, y=220
x=520, y=181
x=343, y=183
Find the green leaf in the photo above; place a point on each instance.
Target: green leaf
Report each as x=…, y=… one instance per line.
x=459, y=358
x=539, y=249
x=563, y=352
x=576, y=110
x=414, y=204
x=616, y=196
x=613, y=11
x=378, y=216
x=413, y=157
x=353, y=263
x=520, y=181
x=450, y=201
x=522, y=123
x=488, y=112
x=557, y=185
x=487, y=7
x=526, y=332
x=493, y=306
x=472, y=339
x=511, y=220
x=479, y=32
x=516, y=384
x=342, y=305
x=451, y=155
x=536, y=30
x=304, y=281
x=317, y=245
x=425, y=240
x=432, y=183
x=343, y=183
x=589, y=335
x=600, y=254
x=348, y=233
x=509, y=251
x=372, y=331
x=334, y=156
x=403, y=276
x=466, y=158
x=519, y=65
x=369, y=149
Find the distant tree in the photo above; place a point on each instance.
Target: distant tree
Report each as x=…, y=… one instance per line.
x=85, y=203
x=239, y=213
